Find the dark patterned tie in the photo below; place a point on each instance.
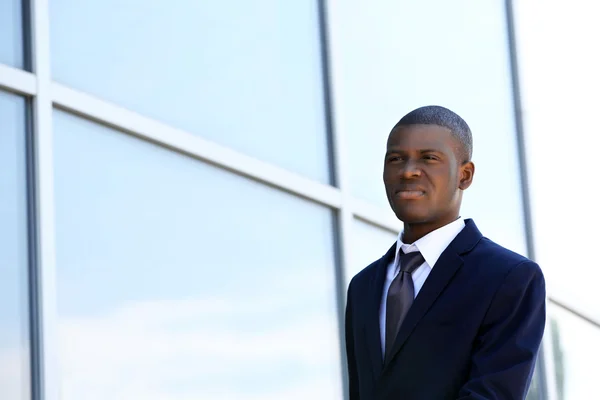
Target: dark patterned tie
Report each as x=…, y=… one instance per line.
x=400, y=297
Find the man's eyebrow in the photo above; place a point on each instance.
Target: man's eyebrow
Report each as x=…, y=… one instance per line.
x=422, y=151
x=394, y=151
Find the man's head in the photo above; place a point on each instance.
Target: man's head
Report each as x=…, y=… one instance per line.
x=427, y=166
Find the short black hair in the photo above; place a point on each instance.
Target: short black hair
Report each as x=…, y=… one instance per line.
x=440, y=116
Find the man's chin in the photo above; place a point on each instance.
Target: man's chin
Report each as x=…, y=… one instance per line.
x=411, y=217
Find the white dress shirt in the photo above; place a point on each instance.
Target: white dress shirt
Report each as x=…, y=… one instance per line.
x=431, y=247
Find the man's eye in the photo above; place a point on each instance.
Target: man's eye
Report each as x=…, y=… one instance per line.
x=430, y=157
x=394, y=159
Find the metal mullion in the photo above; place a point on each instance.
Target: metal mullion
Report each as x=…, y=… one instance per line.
x=192, y=145
x=375, y=215
x=573, y=311
x=339, y=169
x=17, y=81
x=546, y=364
x=45, y=318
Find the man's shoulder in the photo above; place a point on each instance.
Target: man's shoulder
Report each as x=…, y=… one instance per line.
x=494, y=267
x=495, y=257
x=487, y=247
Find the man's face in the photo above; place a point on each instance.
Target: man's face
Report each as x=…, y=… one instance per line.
x=422, y=175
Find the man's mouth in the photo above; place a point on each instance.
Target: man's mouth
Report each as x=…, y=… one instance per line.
x=410, y=194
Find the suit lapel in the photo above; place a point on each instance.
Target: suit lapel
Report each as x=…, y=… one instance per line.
x=372, y=329
x=441, y=275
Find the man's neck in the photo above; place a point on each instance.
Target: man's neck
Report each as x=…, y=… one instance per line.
x=414, y=232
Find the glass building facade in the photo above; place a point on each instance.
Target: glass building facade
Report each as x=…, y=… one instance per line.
x=187, y=188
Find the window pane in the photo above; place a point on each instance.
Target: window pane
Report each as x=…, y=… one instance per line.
x=576, y=347
x=11, y=33
x=559, y=133
x=391, y=57
x=14, y=327
x=245, y=74
x=177, y=280
x=535, y=389
x=369, y=244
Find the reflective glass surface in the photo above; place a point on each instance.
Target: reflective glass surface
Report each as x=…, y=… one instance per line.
x=390, y=57
x=576, y=348
x=245, y=74
x=560, y=86
x=535, y=389
x=14, y=315
x=177, y=280
x=11, y=33
x=369, y=243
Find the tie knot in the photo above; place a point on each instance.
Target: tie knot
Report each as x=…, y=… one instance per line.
x=410, y=261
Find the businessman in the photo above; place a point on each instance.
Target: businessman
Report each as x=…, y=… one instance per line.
x=446, y=313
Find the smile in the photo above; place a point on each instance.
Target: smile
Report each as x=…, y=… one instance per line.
x=410, y=194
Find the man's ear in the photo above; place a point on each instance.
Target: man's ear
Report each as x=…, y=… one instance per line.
x=467, y=170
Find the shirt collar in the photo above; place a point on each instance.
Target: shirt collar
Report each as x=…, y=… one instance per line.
x=433, y=244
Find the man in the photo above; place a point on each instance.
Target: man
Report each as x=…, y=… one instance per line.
x=446, y=313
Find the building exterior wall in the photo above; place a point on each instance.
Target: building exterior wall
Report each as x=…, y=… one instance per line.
x=558, y=68
x=187, y=188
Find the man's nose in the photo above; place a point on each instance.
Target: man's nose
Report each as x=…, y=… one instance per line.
x=410, y=169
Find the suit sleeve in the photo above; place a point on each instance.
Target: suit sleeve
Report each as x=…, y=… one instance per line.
x=504, y=354
x=350, y=356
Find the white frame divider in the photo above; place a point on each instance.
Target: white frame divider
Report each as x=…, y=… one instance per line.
x=192, y=145
x=45, y=270
x=17, y=81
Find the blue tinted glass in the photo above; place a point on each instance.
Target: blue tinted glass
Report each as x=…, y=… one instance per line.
x=11, y=33
x=182, y=281
x=392, y=57
x=246, y=74
x=560, y=86
x=535, y=389
x=369, y=243
x=576, y=350
x=14, y=315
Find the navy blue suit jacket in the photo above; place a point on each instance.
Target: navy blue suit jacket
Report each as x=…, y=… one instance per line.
x=473, y=331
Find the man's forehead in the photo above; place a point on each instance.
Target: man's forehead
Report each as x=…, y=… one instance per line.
x=420, y=135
